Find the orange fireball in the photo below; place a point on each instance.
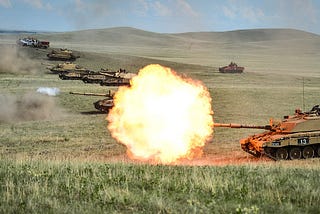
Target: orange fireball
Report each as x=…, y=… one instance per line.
x=161, y=117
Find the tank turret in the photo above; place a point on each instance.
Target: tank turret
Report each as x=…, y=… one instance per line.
x=295, y=137
x=62, y=54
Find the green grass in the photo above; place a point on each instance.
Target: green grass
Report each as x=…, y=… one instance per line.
x=64, y=187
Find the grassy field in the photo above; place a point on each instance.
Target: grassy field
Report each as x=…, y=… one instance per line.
x=65, y=160
x=64, y=187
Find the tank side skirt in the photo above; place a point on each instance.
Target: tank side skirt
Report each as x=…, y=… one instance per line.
x=312, y=140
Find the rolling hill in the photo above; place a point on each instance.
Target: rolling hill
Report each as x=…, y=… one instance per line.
x=265, y=50
x=259, y=50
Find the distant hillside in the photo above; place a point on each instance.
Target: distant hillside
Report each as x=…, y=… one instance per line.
x=252, y=35
x=259, y=50
x=126, y=35
x=17, y=32
x=122, y=36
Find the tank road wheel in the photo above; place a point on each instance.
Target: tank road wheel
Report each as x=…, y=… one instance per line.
x=269, y=151
x=295, y=153
x=281, y=154
x=308, y=152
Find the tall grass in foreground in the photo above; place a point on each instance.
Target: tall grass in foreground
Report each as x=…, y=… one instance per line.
x=47, y=187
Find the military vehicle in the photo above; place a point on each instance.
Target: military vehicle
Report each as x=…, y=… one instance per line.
x=115, y=82
x=94, y=78
x=295, y=137
x=103, y=105
x=105, y=77
x=33, y=42
x=119, y=78
x=62, y=54
x=121, y=73
x=74, y=75
x=231, y=68
x=65, y=68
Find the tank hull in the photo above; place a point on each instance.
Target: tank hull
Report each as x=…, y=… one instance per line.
x=115, y=82
x=283, y=146
x=231, y=70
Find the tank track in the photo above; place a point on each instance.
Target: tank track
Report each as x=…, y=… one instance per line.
x=293, y=152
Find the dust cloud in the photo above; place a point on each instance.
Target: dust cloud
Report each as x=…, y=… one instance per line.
x=30, y=106
x=14, y=61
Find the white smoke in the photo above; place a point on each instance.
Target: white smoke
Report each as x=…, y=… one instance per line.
x=49, y=91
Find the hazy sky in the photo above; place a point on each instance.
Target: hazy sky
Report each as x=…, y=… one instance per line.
x=163, y=16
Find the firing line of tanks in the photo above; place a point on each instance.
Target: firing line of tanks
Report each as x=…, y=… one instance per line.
x=71, y=71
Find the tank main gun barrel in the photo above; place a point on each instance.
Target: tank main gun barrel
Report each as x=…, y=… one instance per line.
x=239, y=126
x=92, y=94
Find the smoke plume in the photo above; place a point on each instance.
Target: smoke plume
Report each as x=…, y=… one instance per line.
x=30, y=106
x=14, y=61
x=49, y=91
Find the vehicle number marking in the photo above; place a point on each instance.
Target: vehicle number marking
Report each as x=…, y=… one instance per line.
x=276, y=143
x=303, y=141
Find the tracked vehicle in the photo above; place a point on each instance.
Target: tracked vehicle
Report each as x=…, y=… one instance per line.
x=62, y=54
x=96, y=77
x=115, y=82
x=74, y=75
x=295, y=137
x=231, y=68
x=103, y=105
x=65, y=68
x=119, y=78
x=109, y=78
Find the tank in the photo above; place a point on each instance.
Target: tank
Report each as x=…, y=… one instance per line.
x=65, y=68
x=115, y=82
x=118, y=78
x=74, y=75
x=103, y=105
x=295, y=137
x=62, y=54
x=94, y=78
x=231, y=68
x=109, y=78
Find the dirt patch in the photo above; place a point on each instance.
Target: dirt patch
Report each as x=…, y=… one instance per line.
x=235, y=158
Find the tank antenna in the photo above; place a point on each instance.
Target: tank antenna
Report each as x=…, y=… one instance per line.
x=303, y=94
